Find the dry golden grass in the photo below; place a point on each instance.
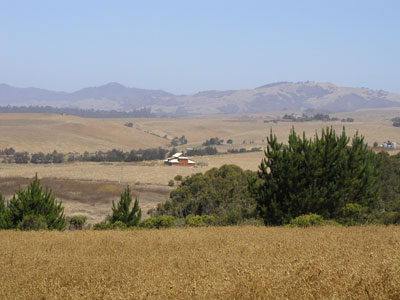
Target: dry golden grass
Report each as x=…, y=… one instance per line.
x=373, y=125
x=204, y=263
x=42, y=132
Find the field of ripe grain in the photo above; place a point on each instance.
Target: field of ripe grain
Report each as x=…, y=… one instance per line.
x=204, y=263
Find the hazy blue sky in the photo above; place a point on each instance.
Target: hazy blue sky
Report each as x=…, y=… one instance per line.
x=187, y=46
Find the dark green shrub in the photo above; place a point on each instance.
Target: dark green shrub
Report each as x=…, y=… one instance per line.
x=199, y=221
x=353, y=214
x=158, y=222
x=33, y=222
x=178, y=178
x=392, y=218
x=102, y=226
x=119, y=225
x=171, y=183
x=307, y=221
x=221, y=192
x=77, y=222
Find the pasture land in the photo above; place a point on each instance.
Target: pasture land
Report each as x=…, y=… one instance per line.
x=42, y=132
x=203, y=263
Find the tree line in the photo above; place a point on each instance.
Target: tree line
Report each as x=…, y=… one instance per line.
x=84, y=113
x=316, y=117
x=9, y=155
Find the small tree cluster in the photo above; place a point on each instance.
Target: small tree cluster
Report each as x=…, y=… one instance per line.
x=204, y=151
x=179, y=141
x=323, y=176
x=213, y=142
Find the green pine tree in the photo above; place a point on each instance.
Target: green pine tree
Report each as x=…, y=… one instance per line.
x=5, y=221
x=33, y=201
x=320, y=176
x=122, y=212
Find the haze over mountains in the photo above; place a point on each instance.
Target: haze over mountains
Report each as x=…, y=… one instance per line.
x=275, y=96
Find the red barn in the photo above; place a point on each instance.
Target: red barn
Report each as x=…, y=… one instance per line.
x=179, y=160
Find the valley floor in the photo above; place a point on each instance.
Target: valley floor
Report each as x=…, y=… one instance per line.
x=89, y=188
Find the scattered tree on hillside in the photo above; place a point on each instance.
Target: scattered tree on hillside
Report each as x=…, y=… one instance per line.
x=213, y=142
x=396, y=122
x=320, y=175
x=178, y=141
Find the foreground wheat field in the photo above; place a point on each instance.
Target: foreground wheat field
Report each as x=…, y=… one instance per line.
x=203, y=263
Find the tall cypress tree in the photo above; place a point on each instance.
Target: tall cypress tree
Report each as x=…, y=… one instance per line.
x=33, y=201
x=320, y=175
x=122, y=212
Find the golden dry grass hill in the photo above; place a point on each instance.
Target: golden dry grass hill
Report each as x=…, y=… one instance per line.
x=203, y=263
x=45, y=133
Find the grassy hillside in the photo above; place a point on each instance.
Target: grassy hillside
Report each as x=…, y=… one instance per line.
x=204, y=263
x=41, y=132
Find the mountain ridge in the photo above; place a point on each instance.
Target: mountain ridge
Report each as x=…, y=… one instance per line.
x=273, y=96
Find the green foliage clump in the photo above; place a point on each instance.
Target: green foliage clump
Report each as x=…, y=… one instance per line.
x=392, y=218
x=319, y=176
x=32, y=222
x=122, y=212
x=34, y=202
x=307, y=221
x=178, y=178
x=171, y=183
x=77, y=222
x=158, y=222
x=118, y=225
x=199, y=221
x=102, y=226
x=221, y=192
x=353, y=214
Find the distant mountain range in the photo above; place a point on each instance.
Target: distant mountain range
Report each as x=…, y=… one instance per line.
x=271, y=97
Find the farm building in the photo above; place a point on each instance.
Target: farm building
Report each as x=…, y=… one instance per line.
x=179, y=160
x=389, y=145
